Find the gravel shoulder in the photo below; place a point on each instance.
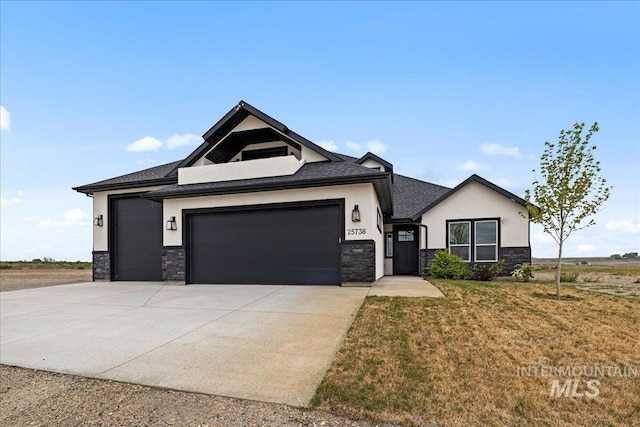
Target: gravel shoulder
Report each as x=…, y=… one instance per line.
x=37, y=398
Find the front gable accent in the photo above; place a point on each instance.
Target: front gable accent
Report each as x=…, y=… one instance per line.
x=239, y=128
x=479, y=180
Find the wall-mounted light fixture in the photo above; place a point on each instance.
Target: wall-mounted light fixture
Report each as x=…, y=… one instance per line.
x=355, y=214
x=97, y=221
x=171, y=223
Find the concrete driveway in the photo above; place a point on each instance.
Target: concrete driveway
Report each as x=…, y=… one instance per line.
x=267, y=343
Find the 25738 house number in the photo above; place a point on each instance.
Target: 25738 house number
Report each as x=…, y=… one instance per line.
x=356, y=231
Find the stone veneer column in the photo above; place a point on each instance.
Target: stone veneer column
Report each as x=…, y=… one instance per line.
x=513, y=256
x=358, y=263
x=101, y=265
x=173, y=264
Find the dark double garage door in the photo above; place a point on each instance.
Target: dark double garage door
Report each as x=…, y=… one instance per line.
x=285, y=245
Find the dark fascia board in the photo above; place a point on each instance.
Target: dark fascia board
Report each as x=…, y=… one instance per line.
x=90, y=189
x=370, y=155
x=479, y=180
x=383, y=162
x=239, y=113
x=381, y=184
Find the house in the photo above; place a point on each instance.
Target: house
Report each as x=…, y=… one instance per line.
x=259, y=203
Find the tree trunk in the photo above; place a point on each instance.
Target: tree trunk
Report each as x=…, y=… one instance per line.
x=559, y=270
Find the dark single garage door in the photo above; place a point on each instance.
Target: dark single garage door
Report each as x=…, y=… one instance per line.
x=136, y=239
x=298, y=245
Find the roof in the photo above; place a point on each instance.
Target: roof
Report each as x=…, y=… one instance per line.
x=411, y=195
x=157, y=175
x=402, y=198
x=309, y=175
x=472, y=178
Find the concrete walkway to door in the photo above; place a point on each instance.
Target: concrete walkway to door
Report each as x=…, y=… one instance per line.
x=404, y=286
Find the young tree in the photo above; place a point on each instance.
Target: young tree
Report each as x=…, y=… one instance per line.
x=570, y=189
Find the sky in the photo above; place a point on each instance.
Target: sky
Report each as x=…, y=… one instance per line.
x=442, y=90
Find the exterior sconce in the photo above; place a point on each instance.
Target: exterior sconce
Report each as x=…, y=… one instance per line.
x=97, y=221
x=355, y=214
x=171, y=223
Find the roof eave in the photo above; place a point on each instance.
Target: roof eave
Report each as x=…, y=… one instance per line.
x=380, y=181
x=91, y=188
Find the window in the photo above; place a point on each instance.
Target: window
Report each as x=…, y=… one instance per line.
x=388, y=248
x=486, y=234
x=460, y=239
x=379, y=221
x=405, y=236
x=474, y=240
x=264, y=153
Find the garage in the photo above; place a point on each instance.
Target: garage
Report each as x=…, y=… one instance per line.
x=136, y=239
x=280, y=245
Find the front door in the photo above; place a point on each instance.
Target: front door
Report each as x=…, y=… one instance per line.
x=405, y=239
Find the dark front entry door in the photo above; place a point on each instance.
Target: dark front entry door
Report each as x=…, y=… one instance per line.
x=288, y=245
x=136, y=239
x=405, y=260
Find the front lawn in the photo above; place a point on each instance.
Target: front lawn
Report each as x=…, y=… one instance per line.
x=455, y=361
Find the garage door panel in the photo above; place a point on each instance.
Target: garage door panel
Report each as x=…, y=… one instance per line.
x=136, y=239
x=276, y=246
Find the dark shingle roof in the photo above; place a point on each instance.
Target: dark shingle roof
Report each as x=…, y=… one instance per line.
x=156, y=175
x=309, y=175
x=411, y=195
x=310, y=172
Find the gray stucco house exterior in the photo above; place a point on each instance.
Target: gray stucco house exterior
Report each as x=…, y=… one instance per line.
x=258, y=203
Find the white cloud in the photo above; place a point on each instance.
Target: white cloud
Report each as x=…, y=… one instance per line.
x=628, y=226
x=470, y=165
x=5, y=119
x=148, y=143
x=177, y=140
x=376, y=147
x=586, y=248
x=71, y=218
x=492, y=149
x=353, y=146
x=328, y=145
x=12, y=200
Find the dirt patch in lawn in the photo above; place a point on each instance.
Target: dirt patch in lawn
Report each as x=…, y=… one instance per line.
x=26, y=278
x=459, y=360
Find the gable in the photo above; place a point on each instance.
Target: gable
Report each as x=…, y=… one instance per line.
x=474, y=200
x=242, y=128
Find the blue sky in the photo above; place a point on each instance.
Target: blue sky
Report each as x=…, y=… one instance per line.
x=441, y=90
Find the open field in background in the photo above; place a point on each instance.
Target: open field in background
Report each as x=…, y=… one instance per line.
x=606, y=275
x=26, y=275
x=454, y=360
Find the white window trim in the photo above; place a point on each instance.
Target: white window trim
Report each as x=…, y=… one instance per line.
x=388, y=249
x=468, y=245
x=475, y=244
